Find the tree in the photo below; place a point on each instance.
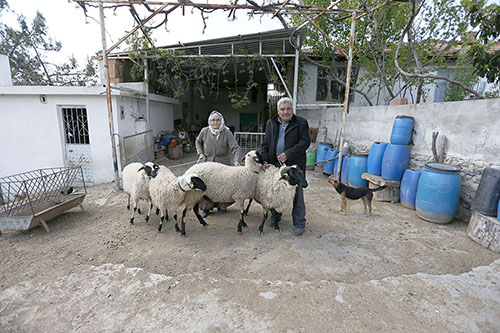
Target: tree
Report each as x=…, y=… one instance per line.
x=28, y=47
x=485, y=20
x=400, y=44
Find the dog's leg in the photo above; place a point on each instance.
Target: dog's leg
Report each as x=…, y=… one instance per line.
x=344, y=205
x=364, y=204
x=369, y=206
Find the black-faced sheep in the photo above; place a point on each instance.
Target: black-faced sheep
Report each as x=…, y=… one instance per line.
x=136, y=177
x=168, y=193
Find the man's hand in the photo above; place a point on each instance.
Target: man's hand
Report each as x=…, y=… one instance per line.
x=202, y=157
x=282, y=157
x=236, y=163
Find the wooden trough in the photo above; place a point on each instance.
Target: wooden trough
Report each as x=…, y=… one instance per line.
x=34, y=197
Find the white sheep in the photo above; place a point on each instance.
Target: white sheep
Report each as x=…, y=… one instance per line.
x=168, y=193
x=136, y=177
x=276, y=190
x=228, y=183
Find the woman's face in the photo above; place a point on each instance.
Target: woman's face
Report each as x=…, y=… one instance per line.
x=215, y=122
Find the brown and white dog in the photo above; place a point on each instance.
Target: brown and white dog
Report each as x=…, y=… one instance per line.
x=352, y=193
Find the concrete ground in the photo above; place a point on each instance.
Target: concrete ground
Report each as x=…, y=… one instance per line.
x=355, y=273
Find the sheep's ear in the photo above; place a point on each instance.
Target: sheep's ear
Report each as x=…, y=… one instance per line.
x=198, y=183
x=147, y=170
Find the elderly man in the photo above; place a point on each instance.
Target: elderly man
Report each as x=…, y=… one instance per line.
x=285, y=143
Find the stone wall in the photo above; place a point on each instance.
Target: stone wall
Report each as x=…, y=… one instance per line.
x=470, y=130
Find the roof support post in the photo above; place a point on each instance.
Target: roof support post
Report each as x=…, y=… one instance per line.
x=296, y=75
x=108, y=96
x=347, y=91
x=146, y=83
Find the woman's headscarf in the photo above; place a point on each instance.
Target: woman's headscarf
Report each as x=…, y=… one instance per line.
x=221, y=128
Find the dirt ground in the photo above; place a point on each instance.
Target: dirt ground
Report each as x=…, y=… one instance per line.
x=388, y=272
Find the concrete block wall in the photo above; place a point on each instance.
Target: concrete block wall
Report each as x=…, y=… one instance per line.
x=471, y=128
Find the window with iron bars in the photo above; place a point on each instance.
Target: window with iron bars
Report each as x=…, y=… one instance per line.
x=76, y=128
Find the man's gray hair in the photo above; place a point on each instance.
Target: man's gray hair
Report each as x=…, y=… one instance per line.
x=284, y=100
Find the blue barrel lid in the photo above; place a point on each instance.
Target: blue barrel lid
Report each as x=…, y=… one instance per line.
x=441, y=167
x=403, y=116
x=326, y=144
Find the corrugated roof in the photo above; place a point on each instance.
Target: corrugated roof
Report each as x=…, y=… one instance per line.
x=274, y=42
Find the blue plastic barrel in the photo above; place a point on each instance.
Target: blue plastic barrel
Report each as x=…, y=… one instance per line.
x=165, y=138
x=374, y=165
x=323, y=149
x=498, y=211
x=395, y=161
x=328, y=166
x=438, y=193
x=401, y=130
x=344, y=172
x=408, y=190
x=357, y=166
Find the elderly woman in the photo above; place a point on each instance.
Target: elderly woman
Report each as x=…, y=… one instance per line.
x=216, y=143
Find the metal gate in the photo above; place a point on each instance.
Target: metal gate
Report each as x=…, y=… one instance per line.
x=77, y=140
x=138, y=148
x=249, y=140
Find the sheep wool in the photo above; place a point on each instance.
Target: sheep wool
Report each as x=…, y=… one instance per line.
x=136, y=185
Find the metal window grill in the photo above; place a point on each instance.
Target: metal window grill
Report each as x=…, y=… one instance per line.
x=249, y=140
x=138, y=147
x=29, y=198
x=76, y=126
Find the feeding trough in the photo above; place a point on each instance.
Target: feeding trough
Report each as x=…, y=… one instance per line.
x=34, y=197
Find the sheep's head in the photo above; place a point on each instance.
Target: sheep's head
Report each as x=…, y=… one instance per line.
x=150, y=169
x=253, y=157
x=293, y=175
x=192, y=182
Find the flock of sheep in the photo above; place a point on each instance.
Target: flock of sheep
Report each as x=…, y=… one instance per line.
x=271, y=187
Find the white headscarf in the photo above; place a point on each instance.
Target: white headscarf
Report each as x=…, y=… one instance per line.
x=221, y=128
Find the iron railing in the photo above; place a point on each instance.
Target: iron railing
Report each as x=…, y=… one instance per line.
x=138, y=147
x=249, y=140
x=25, y=193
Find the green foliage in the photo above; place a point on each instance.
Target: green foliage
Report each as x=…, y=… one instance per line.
x=485, y=20
x=28, y=46
x=175, y=73
x=464, y=72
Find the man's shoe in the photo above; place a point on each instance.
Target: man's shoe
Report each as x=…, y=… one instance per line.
x=204, y=213
x=298, y=231
x=271, y=223
x=220, y=211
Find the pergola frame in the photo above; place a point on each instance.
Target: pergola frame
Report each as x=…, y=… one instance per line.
x=275, y=9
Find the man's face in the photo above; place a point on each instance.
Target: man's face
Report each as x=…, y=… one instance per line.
x=285, y=112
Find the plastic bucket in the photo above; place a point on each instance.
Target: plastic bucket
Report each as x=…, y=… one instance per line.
x=357, y=166
x=438, y=193
x=402, y=129
x=408, y=190
x=488, y=193
x=374, y=165
x=310, y=159
x=328, y=166
x=395, y=161
x=323, y=149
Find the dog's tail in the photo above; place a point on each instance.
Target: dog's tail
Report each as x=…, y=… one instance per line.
x=378, y=189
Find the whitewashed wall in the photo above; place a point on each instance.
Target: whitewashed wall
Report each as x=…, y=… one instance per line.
x=472, y=130
x=31, y=131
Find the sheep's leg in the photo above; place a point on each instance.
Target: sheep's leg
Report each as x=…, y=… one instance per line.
x=128, y=202
x=162, y=217
x=198, y=216
x=248, y=207
x=133, y=213
x=183, y=224
x=157, y=211
x=261, y=226
x=149, y=211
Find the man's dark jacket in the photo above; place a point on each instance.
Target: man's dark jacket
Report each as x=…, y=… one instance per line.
x=297, y=140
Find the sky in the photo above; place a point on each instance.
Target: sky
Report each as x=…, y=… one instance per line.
x=82, y=37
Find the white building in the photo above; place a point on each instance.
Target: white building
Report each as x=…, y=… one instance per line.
x=47, y=126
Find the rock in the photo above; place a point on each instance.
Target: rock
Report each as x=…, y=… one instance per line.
x=485, y=230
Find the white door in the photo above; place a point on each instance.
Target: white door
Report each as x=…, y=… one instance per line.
x=77, y=140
